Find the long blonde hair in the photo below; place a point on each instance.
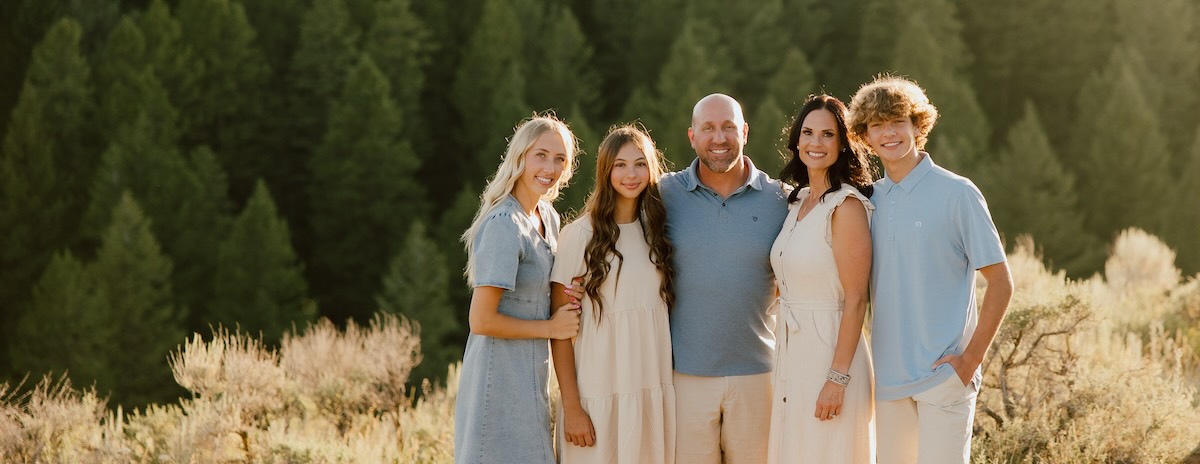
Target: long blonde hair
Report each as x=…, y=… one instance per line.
x=510, y=170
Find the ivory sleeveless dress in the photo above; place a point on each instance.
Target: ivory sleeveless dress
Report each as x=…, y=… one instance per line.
x=622, y=360
x=809, y=316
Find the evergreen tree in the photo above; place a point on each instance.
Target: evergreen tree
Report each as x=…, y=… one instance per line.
x=363, y=194
x=562, y=76
x=822, y=37
x=1118, y=135
x=687, y=76
x=277, y=28
x=633, y=39
x=489, y=87
x=165, y=51
x=224, y=101
x=187, y=198
x=259, y=283
x=133, y=276
x=746, y=33
x=67, y=328
x=1043, y=202
x=398, y=43
x=454, y=221
x=325, y=51
x=927, y=45
x=1043, y=60
x=129, y=87
x=571, y=201
x=786, y=91
x=415, y=286
x=1168, y=39
x=45, y=150
x=1185, y=221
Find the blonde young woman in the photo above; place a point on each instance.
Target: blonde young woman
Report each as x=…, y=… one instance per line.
x=618, y=404
x=502, y=412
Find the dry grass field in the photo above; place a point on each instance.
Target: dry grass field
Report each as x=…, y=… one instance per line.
x=1096, y=370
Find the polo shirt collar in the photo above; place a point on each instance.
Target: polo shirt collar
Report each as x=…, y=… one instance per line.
x=910, y=181
x=756, y=180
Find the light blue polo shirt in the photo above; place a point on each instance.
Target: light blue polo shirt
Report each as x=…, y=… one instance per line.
x=723, y=279
x=930, y=233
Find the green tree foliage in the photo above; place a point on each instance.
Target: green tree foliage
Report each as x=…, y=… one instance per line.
x=166, y=52
x=67, y=328
x=925, y=43
x=259, y=281
x=1119, y=137
x=1030, y=192
x=363, y=194
x=45, y=151
x=223, y=103
x=556, y=58
x=326, y=49
x=1168, y=39
x=633, y=42
x=572, y=198
x=1184, y=220
x=743, y=33
x=415, y=286
x=1036, y=50
x=276, y=24
x=185, y=196
x=454, y=221
x=134, y=278
x=489, y=88
x=785, y=93
x=129, y=88
x=688, y=75
x=399, y=44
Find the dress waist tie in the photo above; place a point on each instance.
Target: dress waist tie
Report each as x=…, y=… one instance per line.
x=790, y=313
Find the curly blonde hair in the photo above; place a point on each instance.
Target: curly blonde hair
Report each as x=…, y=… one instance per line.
x=890, y=97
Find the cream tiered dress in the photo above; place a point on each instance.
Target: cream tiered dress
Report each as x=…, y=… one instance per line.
x=809, y=317
x=622, y=359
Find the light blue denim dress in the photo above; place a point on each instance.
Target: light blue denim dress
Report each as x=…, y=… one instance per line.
x=502, y=413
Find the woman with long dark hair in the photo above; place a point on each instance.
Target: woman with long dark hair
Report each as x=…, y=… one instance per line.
x=823, y=410
x=618, y=403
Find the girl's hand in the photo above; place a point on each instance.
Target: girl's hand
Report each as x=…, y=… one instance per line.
x=829, y=401
x=578, y=427
x=575, y=290
x=564, y=323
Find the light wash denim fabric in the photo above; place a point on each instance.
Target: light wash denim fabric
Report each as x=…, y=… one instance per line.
x=502, y=412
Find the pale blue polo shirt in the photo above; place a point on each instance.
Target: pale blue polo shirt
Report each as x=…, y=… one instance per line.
x=723, y=279
x=930, y=233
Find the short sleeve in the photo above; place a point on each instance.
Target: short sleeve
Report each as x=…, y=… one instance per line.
x=497, y=252
x=572, y=243
x=839, y=197
x=980, y=240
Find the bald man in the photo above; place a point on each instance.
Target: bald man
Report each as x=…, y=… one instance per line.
x=722, y=217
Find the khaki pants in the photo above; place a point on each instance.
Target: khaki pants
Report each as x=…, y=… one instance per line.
x=722, y=419
x=931, y=427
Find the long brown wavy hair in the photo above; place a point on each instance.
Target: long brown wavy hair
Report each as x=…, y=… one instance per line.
x=601, y=208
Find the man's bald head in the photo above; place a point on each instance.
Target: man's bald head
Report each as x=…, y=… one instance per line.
x=721, y=103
